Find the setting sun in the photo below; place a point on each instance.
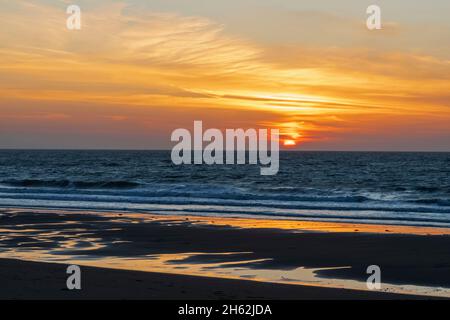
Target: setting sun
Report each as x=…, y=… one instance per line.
x=289, y=143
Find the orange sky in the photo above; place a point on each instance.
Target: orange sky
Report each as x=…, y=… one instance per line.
x=136, y=71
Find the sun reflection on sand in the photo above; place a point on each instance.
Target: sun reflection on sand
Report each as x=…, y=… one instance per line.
x=174, y=264
x=78, y=245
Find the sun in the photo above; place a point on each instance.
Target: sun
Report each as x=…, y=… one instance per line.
x=289, y=143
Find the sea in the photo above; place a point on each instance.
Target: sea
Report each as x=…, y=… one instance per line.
x=359, y=187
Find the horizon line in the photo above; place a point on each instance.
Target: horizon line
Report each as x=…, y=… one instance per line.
x=281, y=150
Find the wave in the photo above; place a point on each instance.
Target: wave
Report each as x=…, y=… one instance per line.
x=440, y=202
x=191, y=193
x=317, y=215
x=177, y=198
x=35, y=183
x=218, y=199
x=183, y=191
x=427, y=189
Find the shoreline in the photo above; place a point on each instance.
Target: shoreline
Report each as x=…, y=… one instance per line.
x=250, y=221
x=276, y=253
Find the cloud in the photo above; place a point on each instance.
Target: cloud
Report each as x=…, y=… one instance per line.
x=127, y=58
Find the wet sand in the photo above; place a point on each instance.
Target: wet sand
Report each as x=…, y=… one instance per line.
x=406, y=256
x=32, y=280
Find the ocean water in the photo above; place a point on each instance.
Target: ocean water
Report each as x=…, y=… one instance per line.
x=363, y=187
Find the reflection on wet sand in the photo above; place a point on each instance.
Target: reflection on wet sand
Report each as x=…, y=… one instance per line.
x=175, y=263
x=148, y=243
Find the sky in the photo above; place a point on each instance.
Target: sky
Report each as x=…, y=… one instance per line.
x=137, y=70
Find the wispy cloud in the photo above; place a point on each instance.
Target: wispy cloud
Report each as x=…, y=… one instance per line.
x=127, y=58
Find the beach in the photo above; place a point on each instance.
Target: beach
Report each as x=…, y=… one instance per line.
x=145, y=256
x=36, y=281
x=225, y=150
